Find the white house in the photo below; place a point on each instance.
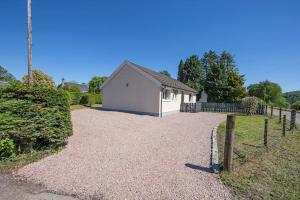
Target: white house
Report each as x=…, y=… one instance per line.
x=136, y=89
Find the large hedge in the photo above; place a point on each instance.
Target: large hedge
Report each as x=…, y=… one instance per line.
x=34, y=118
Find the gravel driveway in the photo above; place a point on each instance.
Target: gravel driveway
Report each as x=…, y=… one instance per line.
x=115, y=155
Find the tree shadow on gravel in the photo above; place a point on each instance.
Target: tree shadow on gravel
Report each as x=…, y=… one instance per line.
x=199, y=167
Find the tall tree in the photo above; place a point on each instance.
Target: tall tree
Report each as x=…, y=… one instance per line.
x=227, y=61
x=180, y=71
x=193, y=73
x=216, y=83
x=5, y=75
x=165, y=72
x=210, y=59
x=95, y=83
x=223, y=82
x=268, y=91
x=235, y=85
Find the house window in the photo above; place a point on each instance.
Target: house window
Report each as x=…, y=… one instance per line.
x=166, y=94
x=175, y=95
x=190, y=97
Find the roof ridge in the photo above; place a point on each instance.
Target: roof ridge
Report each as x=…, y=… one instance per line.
x=163, y=79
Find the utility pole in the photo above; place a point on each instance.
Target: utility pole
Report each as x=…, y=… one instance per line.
x=29, y=31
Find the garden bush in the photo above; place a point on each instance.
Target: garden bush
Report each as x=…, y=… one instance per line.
x=40, y=79
x=7, y=148
x=88, y=99
x=34, y=118
x=74, y=94
x=249, y=105
x=98, y=98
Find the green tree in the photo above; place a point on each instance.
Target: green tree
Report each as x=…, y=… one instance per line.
x=296, y=105
x=40, y=79
x=5, y=75
x=292, y=96
x=223, y=81
x=95, y=84
x=193, y=73
x=180, y=76
x=282, y=102
x=216, y=83
x=268, y=91
x=210, y=59
x=227, y=61
x=235, y=85
x=217, y=75
x=165, y=72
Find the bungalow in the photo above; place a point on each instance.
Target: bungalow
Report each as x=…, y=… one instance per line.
x=136, y=89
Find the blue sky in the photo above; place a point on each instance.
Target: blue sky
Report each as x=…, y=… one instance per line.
x=77, y=39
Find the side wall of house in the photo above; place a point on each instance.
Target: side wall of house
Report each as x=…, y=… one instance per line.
x=130, y=91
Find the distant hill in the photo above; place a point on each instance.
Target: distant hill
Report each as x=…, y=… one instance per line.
x=292, y=96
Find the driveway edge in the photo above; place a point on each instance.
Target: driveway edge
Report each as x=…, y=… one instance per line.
x=215, y=165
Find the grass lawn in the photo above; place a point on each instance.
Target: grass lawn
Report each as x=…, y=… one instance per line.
x=259, y=172
x=78, y=107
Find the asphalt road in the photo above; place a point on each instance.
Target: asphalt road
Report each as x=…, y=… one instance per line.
x=13, y=189
x=287, y=113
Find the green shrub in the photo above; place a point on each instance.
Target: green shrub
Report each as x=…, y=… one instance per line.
x=34, y=118
x=7, y=148
x=98, y=98
x=296, y=105
x=88, y=99
x=74, y=94
x=249, y=105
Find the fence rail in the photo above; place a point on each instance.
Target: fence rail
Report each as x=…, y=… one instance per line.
x=218, y=107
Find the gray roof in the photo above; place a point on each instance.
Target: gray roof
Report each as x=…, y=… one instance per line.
x=2, y=83
x=82, y=86
x=165, y=80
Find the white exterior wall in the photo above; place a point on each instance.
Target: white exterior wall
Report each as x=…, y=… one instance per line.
x=173, y=106
x=142, y=95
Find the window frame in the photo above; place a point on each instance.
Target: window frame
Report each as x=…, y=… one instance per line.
x=164, y=94
x=175, y=95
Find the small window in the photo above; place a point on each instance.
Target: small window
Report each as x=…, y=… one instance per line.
x=166, y=94
x=175, y=95
x=190, y=97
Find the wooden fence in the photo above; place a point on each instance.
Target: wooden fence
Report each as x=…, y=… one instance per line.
x=218, y=107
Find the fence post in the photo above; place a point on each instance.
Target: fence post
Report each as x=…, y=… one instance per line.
x=284, y=125
x=280, y=112
x=293, y=120
x=228, y=149
x=271, y=111
x=266, y=132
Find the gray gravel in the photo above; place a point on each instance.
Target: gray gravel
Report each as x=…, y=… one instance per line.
x=115, y=155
